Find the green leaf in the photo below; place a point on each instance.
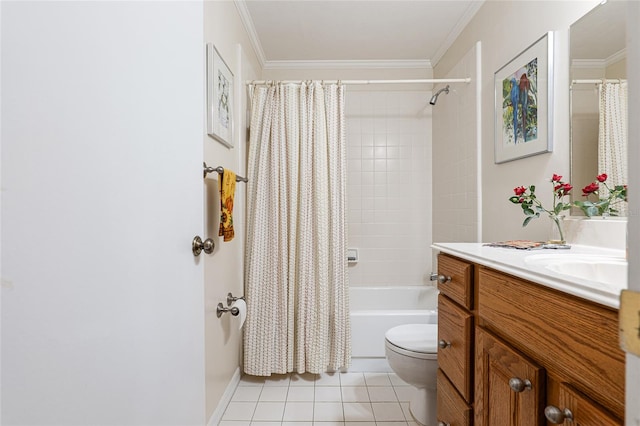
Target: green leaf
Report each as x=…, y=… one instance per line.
x=515, y=199
x=527, y=220
x=558, y=208
x=532, y=188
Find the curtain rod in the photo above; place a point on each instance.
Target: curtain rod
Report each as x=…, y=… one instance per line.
x=597, y=80
x=420, y=81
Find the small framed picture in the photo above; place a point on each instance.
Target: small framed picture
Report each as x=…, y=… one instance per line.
x=219, y=98
x=524, y=103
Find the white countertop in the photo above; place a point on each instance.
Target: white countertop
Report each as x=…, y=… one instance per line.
x=512, y=261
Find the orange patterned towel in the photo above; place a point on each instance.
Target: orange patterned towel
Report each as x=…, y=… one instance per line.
x=227, y=185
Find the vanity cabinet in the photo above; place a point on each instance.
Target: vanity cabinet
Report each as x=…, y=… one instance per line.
x=455, y=341
x=535, y=355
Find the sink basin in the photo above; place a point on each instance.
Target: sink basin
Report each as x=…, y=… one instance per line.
x=608, y=272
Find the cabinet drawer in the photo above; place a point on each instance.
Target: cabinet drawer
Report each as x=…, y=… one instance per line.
x=455, y=328
x=459, y=288
x=452, y=409
x=574, y=338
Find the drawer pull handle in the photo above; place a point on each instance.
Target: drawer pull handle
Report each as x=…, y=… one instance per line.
x=443, y=344
x=556, y=415
x=442, y=279
x=519, y=385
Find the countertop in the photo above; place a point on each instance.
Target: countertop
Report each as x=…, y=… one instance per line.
x=513, y=262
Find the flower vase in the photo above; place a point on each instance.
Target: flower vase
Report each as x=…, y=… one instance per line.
x=557, y=230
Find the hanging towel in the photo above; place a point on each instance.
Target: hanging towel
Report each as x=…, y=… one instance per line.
x=227, y=185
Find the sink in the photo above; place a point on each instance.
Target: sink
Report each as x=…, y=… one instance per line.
x=608, y=272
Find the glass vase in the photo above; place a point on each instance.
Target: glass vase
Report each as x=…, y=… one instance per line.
x=557, y=230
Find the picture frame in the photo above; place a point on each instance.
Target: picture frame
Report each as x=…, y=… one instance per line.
x=524, y=103
x=220, y=94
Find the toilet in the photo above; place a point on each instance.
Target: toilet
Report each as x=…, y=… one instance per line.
x=412, y=351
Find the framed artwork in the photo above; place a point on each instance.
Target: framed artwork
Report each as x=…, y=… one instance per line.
x=524, y=103
x=219, y=98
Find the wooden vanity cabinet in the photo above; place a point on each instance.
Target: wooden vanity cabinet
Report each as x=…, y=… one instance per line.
x=532, y=355
x=455, y=341
x=571, y=341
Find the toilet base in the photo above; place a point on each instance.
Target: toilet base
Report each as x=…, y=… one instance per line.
x=423, y=406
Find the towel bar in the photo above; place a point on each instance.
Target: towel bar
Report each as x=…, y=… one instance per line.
x=219, y=170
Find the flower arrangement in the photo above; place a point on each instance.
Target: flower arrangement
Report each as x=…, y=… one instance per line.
x=532, y=207
x=604, y=205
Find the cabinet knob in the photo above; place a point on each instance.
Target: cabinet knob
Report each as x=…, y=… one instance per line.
x=443, y=344
x=519, y=385
x=556, y=415
x=442, y=279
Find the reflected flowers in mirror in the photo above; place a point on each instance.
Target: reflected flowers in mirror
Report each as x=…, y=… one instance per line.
x=606, y=198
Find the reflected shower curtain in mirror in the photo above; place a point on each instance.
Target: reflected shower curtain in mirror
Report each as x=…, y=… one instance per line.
x=612, y=138
x=296, y=257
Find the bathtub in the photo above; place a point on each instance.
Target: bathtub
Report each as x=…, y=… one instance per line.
x=374, y=310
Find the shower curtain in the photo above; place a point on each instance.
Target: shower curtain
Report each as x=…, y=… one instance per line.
x=296, y=260
x=612, y=138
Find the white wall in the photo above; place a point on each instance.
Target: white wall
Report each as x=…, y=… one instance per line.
x=505, y=29
x=389, y=186
x=102, y=299
x=389, y=166
x=224, y=269
x=633, y=361
x=455, y=157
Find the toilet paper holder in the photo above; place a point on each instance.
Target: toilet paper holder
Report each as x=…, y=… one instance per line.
x=233, y=310
x=221, y=310
x=231, y=298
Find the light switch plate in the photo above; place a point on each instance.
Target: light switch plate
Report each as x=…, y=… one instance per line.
x=630, y=321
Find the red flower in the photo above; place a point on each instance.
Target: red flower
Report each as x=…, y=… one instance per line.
x=562, y=189
x=602, y=177
x=520, y=190
x=556, y=178
x=589, y=189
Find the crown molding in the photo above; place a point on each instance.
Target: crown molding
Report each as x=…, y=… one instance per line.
x=616, y=57
x=588, y=63
x=457, y=30
x=356, y=64
x=245, y=17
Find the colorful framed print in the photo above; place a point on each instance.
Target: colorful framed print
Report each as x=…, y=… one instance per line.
x=524, y=103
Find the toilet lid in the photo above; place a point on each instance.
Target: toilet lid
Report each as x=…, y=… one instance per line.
x=414, y=337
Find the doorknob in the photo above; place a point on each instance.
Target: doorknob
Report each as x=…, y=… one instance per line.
x=197, y=245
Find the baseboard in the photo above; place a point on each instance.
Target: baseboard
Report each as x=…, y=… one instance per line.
x=216, y=417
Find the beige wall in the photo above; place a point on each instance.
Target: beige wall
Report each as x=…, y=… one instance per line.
x=505, y=29
x=224, y=268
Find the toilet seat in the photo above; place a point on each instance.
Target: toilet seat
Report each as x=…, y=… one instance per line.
x=415, y=340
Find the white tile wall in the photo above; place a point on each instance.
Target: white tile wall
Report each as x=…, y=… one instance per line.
x=389, y=186
x=455, y=171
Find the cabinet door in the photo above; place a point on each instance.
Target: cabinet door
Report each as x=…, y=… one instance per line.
x=509, y=387
x=575, y=409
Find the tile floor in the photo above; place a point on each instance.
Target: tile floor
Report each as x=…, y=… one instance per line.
x=338, y=399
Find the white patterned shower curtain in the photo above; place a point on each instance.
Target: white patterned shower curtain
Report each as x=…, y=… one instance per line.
x=612, y=138
x=296, y=258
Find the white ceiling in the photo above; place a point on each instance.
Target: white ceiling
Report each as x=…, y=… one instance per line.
x=355, y=30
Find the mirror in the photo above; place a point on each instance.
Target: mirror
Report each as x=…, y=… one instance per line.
x=597, y=54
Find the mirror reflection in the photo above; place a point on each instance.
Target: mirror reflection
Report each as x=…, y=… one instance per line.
x=599, y=100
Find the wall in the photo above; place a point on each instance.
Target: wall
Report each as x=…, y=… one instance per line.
x=102, y=299
x=389, y=173
x=224, y=269
x=633, y=361
x=505, y=29
x=456, y=201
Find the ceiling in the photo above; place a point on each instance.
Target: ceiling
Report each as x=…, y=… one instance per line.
x=359, y=30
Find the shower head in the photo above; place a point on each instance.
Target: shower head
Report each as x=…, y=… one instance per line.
x=434, y=98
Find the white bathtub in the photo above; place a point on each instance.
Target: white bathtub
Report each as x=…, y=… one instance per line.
x=374, y=310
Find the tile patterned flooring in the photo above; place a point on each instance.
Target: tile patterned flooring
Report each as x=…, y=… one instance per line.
x=329, y=399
